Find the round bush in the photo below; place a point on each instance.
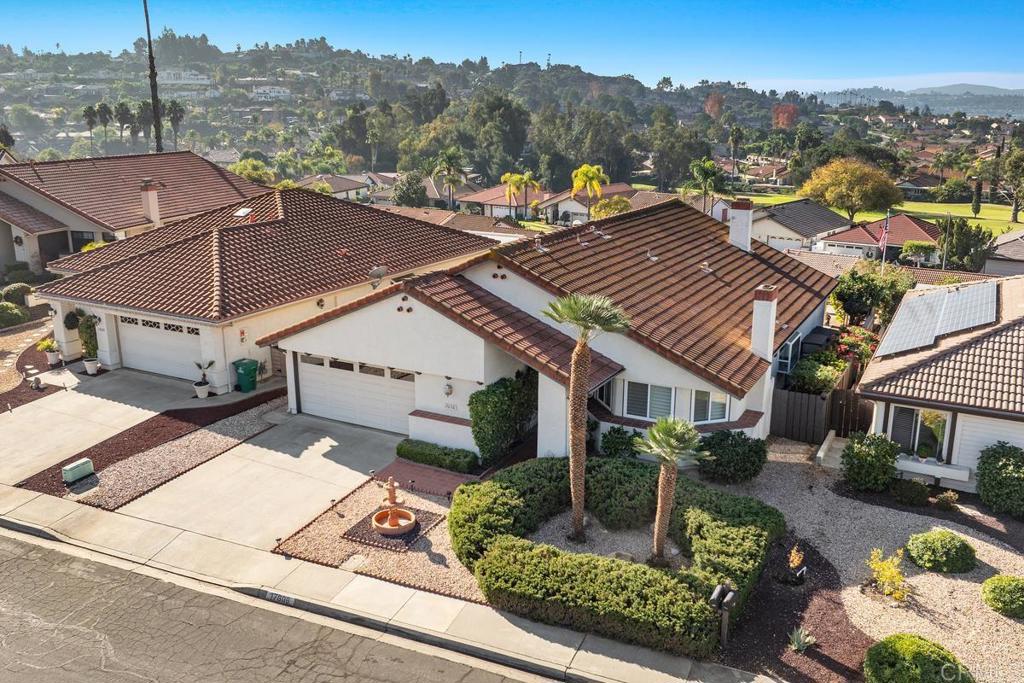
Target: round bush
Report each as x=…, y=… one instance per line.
x=732, y=457
x=618, y=443
x=910, y=492
x=1001, y=478
x=12, y=314
x=869, y=462
x=941, y=551
x=906, y=658
x=16, y=293
x=1005, y=594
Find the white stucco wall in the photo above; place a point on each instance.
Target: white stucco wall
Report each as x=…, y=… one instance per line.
x=552, y=419
x=765, y=229
x=444, y=433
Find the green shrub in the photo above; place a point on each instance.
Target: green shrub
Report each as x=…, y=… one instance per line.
x=947, y=501
x=502, y=413
x=907, y=658
x=732, y=457
x=454, y=459
x=12, y=314
x=811, y=377
x=87, y=333
x=22, y=276
x=1000, y=476
x=621, y=493
x=618, y=443
x=869, y=462
x=941, y=551
x=16, y=293
x=910, y=492
x=1005, y=594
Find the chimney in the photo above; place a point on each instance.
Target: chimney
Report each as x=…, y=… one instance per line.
x=741, y=216
x=762, y=330
x=150, y=202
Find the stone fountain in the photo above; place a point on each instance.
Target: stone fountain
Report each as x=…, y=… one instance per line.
x=393, y=519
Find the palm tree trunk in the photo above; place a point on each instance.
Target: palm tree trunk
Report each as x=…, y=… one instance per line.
x=666, y=500
x=579, y=375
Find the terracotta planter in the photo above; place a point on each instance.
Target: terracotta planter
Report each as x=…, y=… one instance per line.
x=202, y=389
x=92, y=365
x=52, y=357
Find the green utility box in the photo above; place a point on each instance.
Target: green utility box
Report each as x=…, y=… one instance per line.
x=247, y=370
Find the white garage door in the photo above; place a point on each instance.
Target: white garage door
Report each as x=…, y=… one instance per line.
x=161, y=347
x=973, y=434
x=368, y=395
x=783, y=243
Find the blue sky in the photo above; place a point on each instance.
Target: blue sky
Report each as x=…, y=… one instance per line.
x=796, y=44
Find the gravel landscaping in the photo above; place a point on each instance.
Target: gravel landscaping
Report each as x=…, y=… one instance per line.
x=124, y=481
x=945, y=608
x=429, y=563
x=637, y=543
x=18, y=392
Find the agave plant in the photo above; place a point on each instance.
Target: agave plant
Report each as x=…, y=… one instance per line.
x=800, y=640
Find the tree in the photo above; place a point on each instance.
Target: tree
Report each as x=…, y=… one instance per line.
x=917, y=251
x=588, y=314
x=611, y=206
x=175, y=115
x=377, y=126
x=1013, y=175
x=448, y=166
x=514, y=183
x=124, y=116
x=589, y=178
x=48, y=154
x=104, y=114
x=869, y=287
x=942, y=162
x=529, y=183
x=89, y=116
x=736, y=136
x=952, y=191
x=706, y=179
x=664, y=84
x=6, y=139
x=668, y=440
x=963, y=246
x=154, y=103
x=144, y=118
x=713, y=104
x=976, y=198
x=852, y=186
x=253, y=170
x=784, y=115
x=409, y=190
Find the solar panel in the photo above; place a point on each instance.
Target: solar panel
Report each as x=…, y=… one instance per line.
x=938, y=312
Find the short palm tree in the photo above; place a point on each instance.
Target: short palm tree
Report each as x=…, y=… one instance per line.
x=124, y=116
x=736, y=136
x=89, y=116
x=449, y=168
x=514, y=183
x=668, y=440
x=707, y=178
x=590, y=178
x=529, y=183
x=589, y=314
x=175, y=115
x=104, y=114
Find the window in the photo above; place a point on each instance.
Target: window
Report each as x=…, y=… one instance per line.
x=402, y=375
x=341, y=364
x=371, y=370
x=789, y=354
x=80, y=238
x=919, y=432
x=310, y=359
x=151, y=323
x=648, y=401
x=170, y=327
x=126, y=320
x=604, y=394
x=710, y=406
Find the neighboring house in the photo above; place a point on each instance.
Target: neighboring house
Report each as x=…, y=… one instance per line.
x=494, y=202
x=1007, y=256
x=7, y=157
x=437, y=194
x=566, y=208
x=182, y=77
x=919, y=187
x=204, y=289
x=710, y=311
x=865, y=240
x=798, y=224
x=768, y=174
x=947, y=378
x=837, y=264
x=497, y=229
x=644, y=198
x=342, y=187
x=270, y=93
x=223, y=157
x=373, y=179
x=51, y=209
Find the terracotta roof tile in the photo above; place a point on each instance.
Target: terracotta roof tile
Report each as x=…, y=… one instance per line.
x=496, y=195
x=29, y=219
x=902, y=228
x=337, y=183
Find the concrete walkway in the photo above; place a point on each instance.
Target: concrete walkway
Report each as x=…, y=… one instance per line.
x=454, y=624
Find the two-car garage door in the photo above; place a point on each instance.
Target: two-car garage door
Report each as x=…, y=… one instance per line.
x=165, y=348
x=363, y=394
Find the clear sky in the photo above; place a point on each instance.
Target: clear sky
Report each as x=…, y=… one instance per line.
x=794, y=44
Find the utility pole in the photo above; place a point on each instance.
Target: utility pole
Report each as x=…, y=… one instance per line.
x=945, y=238
x=157, y=134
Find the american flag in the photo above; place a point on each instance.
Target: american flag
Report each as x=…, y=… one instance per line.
x=885, y=235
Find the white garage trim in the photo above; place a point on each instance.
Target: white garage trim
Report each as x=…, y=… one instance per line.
x=975, y=433
x=163, y=347
x=360, y=393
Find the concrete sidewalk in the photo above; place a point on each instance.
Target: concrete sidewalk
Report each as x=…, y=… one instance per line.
x=438, y=620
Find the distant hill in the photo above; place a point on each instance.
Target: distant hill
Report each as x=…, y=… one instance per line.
x=965, y=89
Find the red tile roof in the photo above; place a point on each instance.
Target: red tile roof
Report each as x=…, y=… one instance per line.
x=610, y=190
x=337, y=183
x=651, y=266
x=521, y=335
x=837, y=264
x=29, y=219
x=457, y=220
x=902, y=228
x=294, y=244
x=106, y=191
x=496, y=196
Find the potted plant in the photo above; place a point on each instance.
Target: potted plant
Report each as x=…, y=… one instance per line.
x=203, y=386
x=90, y=344
x=51, y=349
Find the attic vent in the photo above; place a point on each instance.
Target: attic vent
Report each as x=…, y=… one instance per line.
x=242, y=212
x=651, y=256
x=705, y=267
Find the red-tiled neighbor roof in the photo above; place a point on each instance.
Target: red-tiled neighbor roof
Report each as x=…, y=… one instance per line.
x=521, y=335
x=106, y=189
x=651, y=266
x=610, y=190
x=496, y=196
x=27, y=218
x=292, y=245
x=902, y=228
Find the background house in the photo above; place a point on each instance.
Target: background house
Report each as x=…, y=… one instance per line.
x=1007, y=256
x=494, y=202
x=796, y=225
x=865, y=240
x=342, y=187
x=568, y=208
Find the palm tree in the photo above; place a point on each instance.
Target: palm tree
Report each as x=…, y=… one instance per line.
x=707, y=178
x=735, y=140
x=124, y=116
x=89, y=115
x=528, y=182
x=589, y=178
x=154, y=105
x=448, y=167
x=175, y=115
x=589, y=314
x=144, y=117
x=104, y=114
x=668, y=440
x=942, y=162
x=513, y=183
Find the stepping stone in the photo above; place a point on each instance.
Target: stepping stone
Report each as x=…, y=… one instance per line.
x=353, y=563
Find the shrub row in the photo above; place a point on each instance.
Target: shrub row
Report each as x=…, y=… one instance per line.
x=725, y=536
x=12, y=314
x=1001, y=478
x=732, y=457
x=454, y=459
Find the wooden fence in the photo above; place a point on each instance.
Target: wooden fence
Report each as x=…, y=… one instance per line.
x=809, y=417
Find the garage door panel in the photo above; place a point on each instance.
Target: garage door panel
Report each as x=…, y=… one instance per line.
x=359, y=398
x=165, y=348
x=975, y=433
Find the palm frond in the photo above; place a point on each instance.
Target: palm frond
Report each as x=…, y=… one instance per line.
x=669, y=439
x=588, y=313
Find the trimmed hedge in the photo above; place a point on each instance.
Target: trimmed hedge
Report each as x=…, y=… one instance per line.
x=454, y=459
x=16, y=293
x=12, y=314
x=502, y=413
x=941, y=551
x=732, y=457
x=1005, y=594
x=869, y=462
x=907, y=658
x=1001, y=478
x=618, y=443
x=726, y=537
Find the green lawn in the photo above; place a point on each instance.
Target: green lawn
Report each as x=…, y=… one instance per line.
x=539, y=226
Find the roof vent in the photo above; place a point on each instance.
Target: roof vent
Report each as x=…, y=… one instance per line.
x=705, y=268
x=651, y=257
x=581, y=242
x=377, y=275
x=541, y=249
x=242, y=212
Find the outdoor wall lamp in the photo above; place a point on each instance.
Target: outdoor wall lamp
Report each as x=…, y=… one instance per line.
x=448, y=389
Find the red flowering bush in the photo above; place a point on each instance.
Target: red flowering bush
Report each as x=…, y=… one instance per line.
x=856, y=342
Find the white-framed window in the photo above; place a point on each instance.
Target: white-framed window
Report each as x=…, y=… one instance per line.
x=919, y=431
x=648, y=401
x=789, y=353
x=374, y=370
x=402, y=375
x=604, y=394
x=710, y=406
x=310, y=359
x=341, y=364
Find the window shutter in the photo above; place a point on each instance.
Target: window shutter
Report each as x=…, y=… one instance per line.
x=661, y=402
x=904, y=420
x=636, y=399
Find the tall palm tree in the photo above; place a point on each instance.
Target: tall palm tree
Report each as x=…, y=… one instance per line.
x=89, y=116
x=104, y=114
x=589, y=178
x=513, y=183
x=669, y=439
x=736, y=136
x=123, y=115
x=589, y=314
x=707, y=178
x=175, y=115
x=154, y=105
x=943, y=162
x=448, y=166
x=529, y=182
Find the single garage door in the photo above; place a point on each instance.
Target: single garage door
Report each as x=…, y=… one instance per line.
x=783, y=243
x=975, y=433
x=363, y=394
x=162, y=347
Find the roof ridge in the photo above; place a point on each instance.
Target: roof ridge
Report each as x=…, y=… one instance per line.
x=82, y=161
x=217, y=291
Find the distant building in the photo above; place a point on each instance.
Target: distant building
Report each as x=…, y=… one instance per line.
x=270, y=93
x=182, y=77
x=1007, y=257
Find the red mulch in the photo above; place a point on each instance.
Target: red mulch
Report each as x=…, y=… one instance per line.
x=23, y=393
x=157, y=430
x=1001, y=527
x=760, y=641
x=426, y=479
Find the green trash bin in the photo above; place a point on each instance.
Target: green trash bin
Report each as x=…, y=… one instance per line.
x=246, y=370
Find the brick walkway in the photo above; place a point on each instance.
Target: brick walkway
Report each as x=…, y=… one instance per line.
x=426, y=479
x=11, y=346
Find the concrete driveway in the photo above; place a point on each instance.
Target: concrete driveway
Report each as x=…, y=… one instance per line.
x=272, y=485
x=44, y=432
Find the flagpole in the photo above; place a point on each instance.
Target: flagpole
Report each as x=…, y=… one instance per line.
x=945, y=238
x=885, y=238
